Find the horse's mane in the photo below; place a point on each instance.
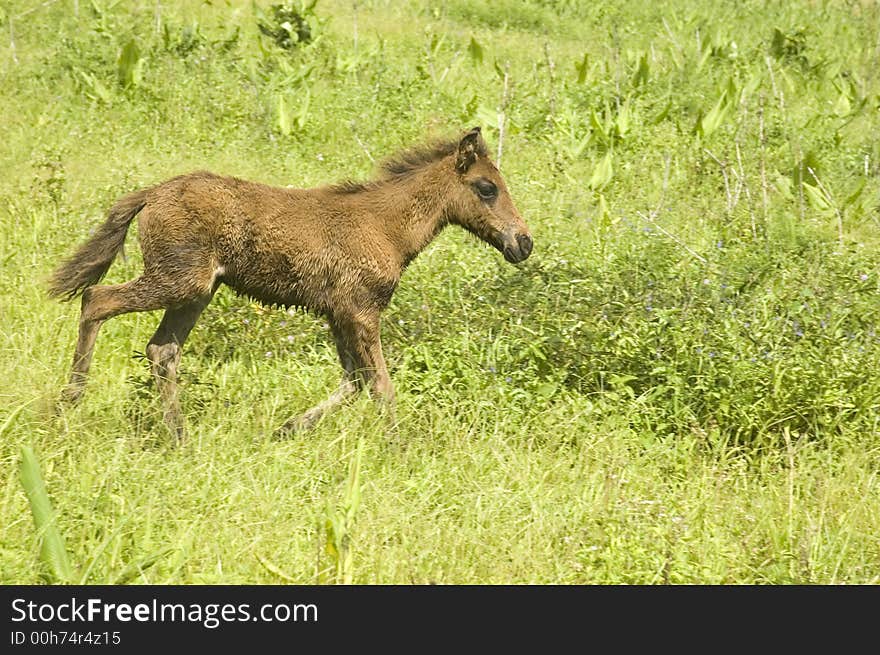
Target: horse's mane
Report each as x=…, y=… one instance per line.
x=407, y=162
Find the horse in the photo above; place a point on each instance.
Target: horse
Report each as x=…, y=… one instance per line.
x=337, y=250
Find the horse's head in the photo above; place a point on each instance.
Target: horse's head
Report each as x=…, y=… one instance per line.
x=482, y=204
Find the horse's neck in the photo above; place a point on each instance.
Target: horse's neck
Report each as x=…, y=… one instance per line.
x=419, y=213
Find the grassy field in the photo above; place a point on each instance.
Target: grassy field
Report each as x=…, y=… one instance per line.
x=679, y=386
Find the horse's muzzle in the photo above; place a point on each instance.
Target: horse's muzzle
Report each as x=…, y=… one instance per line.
x=518, y=249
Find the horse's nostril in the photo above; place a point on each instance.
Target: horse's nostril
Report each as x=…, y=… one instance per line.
x=525, y=244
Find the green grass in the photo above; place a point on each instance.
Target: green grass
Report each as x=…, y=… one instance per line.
x=679, y=386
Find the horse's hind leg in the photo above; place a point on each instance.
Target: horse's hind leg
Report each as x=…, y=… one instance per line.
x=82, y=358
x=100, y=303
x=163, y=351
x=349, y=386
x=360, y=352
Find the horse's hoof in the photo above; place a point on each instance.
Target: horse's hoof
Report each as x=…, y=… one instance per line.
x=70, y=396
x=286, y=431
x=293, y=427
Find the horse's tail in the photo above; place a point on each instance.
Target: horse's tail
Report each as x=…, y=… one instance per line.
x=93, y=258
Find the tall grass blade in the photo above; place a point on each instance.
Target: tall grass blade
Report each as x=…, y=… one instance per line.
x=135, y=569
x=53, y=552
x=340, y=520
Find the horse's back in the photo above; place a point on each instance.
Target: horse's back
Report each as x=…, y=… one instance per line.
x=278, y=245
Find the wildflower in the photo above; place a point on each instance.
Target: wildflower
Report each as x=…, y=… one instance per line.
x=863, y=277
x=268, y=353
x=290, y=338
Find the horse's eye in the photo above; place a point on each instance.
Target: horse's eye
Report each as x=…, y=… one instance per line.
x=486, y=189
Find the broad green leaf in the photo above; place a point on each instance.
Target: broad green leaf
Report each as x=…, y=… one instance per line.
x=842, y=107
x=303, y=114
x=475, y=50
x=752, y=84
x=622, y=121
x=777, y=44
x=470, y=108
x=817, y=198
x=603, y=173
x=783, y=185
x=487, y=117
x=128, y=65
x=98, y=90
x=659, y=118
x=284, y=123
x=715, y=117
x=605, y=220
x=733, y=94
x=579, y=145
x=581, y=69
x=855, y=194
x=643, y=71
x=705, y=53
x=546, y=390
x=598, y=126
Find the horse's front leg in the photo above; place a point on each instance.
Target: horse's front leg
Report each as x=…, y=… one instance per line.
x=376, y=374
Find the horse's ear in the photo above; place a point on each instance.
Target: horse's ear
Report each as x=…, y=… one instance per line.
x=467, y=150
